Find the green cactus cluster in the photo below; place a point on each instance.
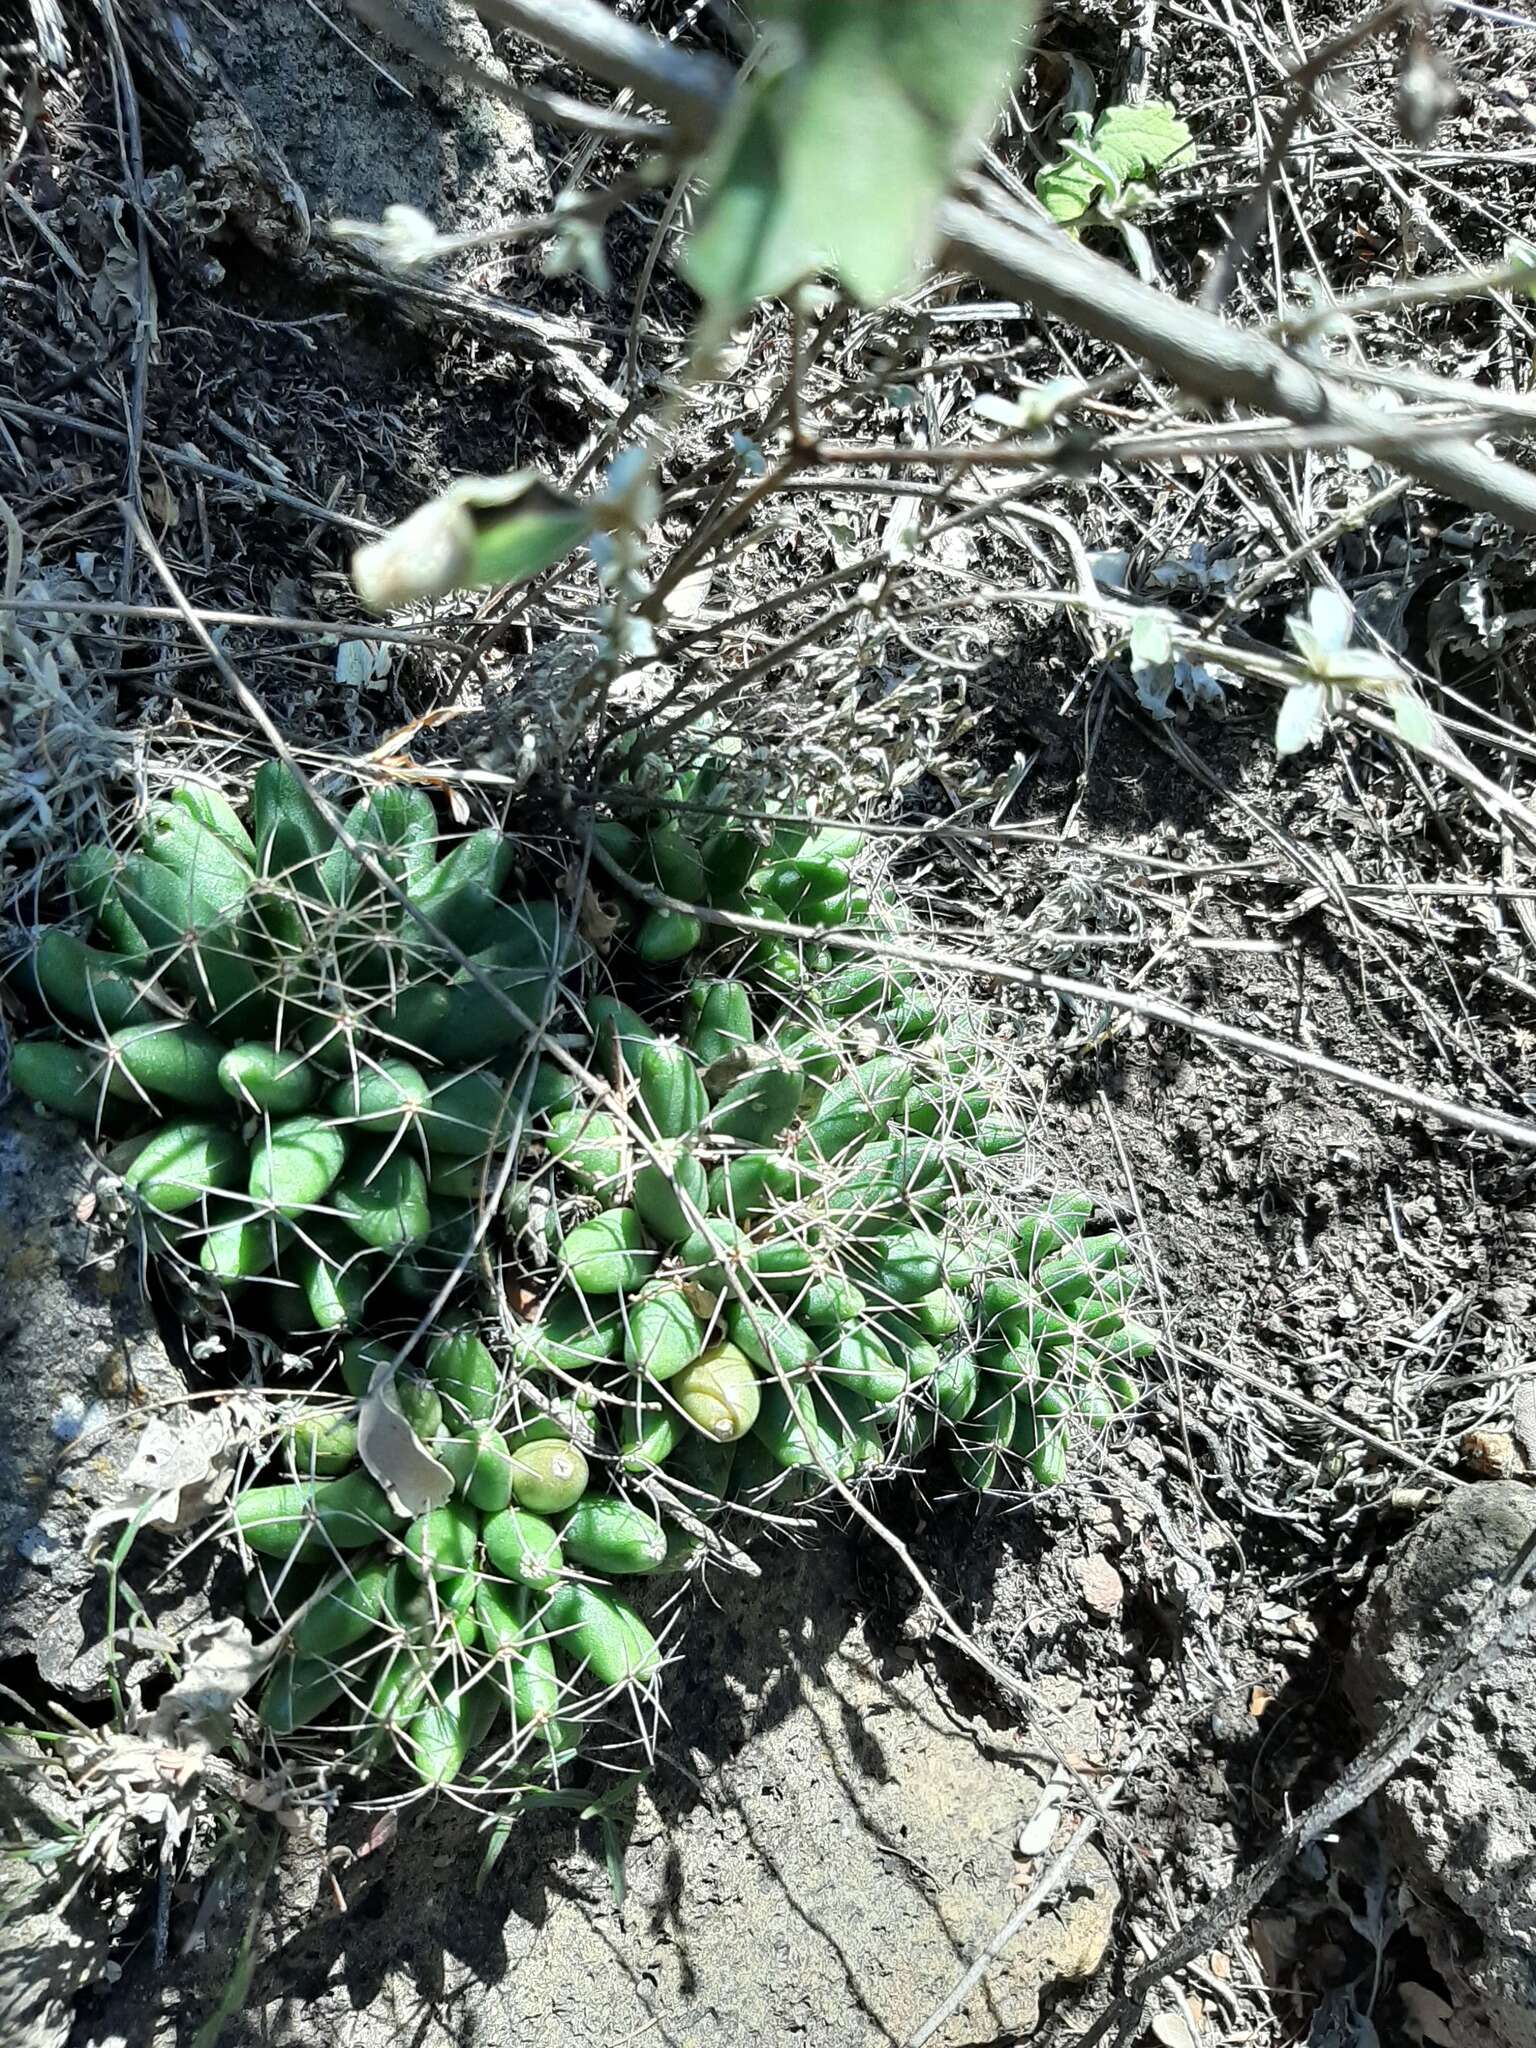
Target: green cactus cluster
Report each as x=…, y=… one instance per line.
x=748, y=1223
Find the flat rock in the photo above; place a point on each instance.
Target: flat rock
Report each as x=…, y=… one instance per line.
x=1461, y=1814
x=822, y=1850
x=81, y=1363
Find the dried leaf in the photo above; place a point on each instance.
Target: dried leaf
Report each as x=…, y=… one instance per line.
x=182, y=1467
x=1172, y=2030
x=1039, y=1831
x=392, y=1451
x=220, y=1666
x=594, y=921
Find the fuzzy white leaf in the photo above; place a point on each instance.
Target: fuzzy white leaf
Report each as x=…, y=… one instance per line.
x=1365, y=667
x=1039, y=1831
x=354, y=664
x=999, y=412
x=1152, y=638
x=1332, y=618
x=1414, y=720
x=1301, y=717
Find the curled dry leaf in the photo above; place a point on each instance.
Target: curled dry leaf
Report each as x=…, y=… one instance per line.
x=220, y=1665
x=182, y=1467
x=392, y=1451
x=596, y=922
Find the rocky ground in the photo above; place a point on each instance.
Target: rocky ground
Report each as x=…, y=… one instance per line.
x=1334, y=1458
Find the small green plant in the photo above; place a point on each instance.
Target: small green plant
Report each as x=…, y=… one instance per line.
x=1109, y=165
x=746, y=1230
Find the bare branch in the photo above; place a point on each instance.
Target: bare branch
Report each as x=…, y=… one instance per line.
x=690, y=86
x=1204, y=355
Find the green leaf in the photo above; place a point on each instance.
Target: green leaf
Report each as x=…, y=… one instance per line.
x=480, y=530
x=1127, y=145
x=845, y=141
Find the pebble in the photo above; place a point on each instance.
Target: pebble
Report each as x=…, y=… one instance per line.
x=1102, y=1587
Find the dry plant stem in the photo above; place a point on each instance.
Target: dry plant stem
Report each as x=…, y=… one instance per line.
x=1047, y=271
x=690, y=86
x=72, y=423
x=1203, y=354
x=1487, y=1123
x=1045, y=1886
x=1502, y=1623
x=556, y=108
x=1235, y=250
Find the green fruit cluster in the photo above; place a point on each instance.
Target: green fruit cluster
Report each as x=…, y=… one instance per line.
x=761, y=1241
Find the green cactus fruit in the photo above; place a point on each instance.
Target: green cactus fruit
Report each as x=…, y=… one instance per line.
x=85, y=983
x=830, y=1300
x=183, y=1163
x=668, y=1198
x=348, y=1609
x=938, y=1315
x=719, y=1392
x=729, y=856
x=298, y=1691
x=955, y=1385
x=648, y=1435
x=749, y=1184
x=291, y=837
x=609, y=1255
x=674, y=861
x=706, y=1254
x=590, y=1147
x=902, y=1267
x=620, y=1036
x=480, y=1462
x=464, y=1374
x=342, y=1514
x=671, y=1095
x=441, y=1544
x=594, y=1633
x=859, y=1107
x=239, y=1247
x=60, y=1077
x=759, y=1107
x=667, y=935
x=607, y=1534
x=548, y=1474
x=379, y=1097
x=468, y=1113
x=799, y=1431
x=661, y=1333
x=860, y=1361
x=384, y=1200
x=1064, y=1217
x=321, y=1446
x=523, y=1547
x=720, y=1022
x=295, y=1162
x=570, y=1337
x=177, y=1061
x=454, y=892
x=768, y=1338
x=281, y=1083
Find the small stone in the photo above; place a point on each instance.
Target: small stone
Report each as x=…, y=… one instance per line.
x=1489, y=1453
x=1102, y=1587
